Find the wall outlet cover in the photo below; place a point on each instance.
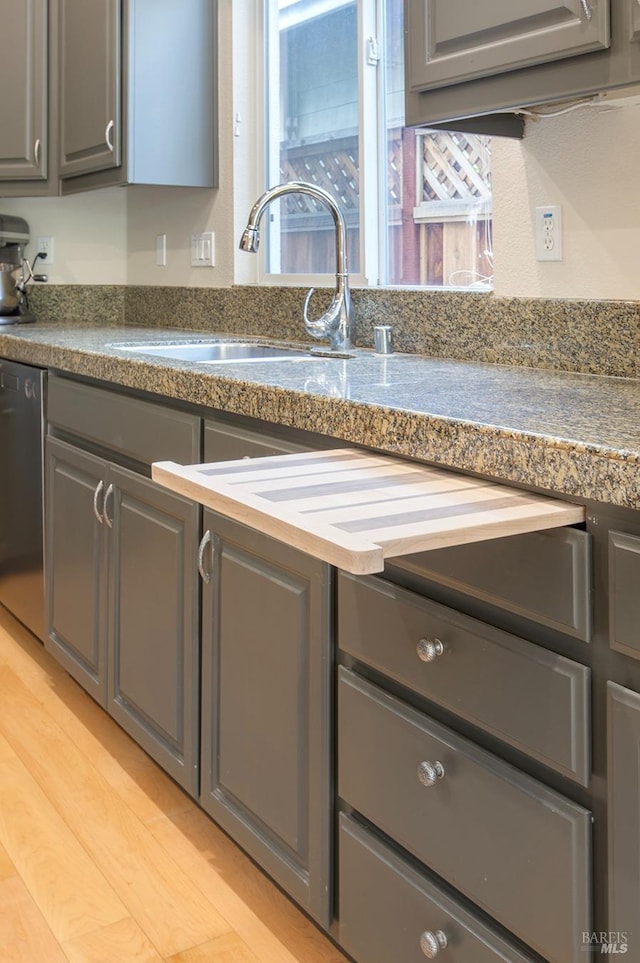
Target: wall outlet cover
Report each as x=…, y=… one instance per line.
x=548, y=231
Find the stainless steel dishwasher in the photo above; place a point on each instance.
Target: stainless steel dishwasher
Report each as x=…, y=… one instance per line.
x=21, y=567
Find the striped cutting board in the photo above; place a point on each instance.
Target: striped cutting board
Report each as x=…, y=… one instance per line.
x=354, y=509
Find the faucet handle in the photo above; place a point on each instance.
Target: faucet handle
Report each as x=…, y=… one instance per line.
x=327, y=324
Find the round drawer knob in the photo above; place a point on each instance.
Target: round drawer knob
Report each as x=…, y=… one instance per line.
x=432, y=943
x=429, y=649
x=430, y=772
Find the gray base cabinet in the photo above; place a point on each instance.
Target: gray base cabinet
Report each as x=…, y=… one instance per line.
x=75, y=561
x=266, y=708
x=390, y=911
x=153, y=643
x=486, y=757
x=122, y=600
x=465, y=772
x=480, y=824
x=623, y=710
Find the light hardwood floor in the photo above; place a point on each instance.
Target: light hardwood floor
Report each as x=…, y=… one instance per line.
x=102, y=858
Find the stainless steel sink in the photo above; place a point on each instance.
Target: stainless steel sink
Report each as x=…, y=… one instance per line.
x=216, y=352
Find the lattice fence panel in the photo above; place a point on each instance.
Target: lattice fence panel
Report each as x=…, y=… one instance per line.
x=455, y=167
x=331, y=167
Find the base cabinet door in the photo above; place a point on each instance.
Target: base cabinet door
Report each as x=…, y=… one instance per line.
x=266, y=732
x=122, y=600
x=75, y=560
x=623, y=710
x=153, y=646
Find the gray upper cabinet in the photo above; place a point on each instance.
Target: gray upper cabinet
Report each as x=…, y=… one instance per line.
x=24, y=113
x=450, y=41
x=90, y=72
x=137, y=93
x=470, y=66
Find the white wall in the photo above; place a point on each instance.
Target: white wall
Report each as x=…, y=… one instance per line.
x=585, y=161
x=89, y=232
x=178, y=212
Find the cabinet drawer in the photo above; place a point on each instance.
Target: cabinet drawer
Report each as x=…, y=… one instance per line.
x=386, y=906
x=141, y=430
x=542, y=576
x=624, y=594
x=518, y=849
x=223, y=442
x=525, y=695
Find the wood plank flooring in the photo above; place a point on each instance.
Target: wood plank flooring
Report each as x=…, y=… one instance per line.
x=103, y=859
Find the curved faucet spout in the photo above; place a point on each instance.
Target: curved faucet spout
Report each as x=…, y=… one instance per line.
x=337, y=322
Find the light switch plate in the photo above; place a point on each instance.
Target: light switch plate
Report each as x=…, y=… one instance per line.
x=161, y=250
x=203, y=249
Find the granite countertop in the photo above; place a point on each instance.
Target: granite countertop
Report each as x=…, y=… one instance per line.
x=576, y=434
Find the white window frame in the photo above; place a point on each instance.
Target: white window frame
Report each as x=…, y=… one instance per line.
x=371, y=136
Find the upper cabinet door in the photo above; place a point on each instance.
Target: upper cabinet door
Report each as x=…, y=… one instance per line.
x=450, y=41
x=90, y=83
x=23, y=79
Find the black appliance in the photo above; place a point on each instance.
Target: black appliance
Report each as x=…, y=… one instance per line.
x=21, y=539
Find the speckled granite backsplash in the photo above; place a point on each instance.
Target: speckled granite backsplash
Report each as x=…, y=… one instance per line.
x=596, y=337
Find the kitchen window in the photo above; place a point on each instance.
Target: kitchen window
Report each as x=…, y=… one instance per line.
x=417, y=203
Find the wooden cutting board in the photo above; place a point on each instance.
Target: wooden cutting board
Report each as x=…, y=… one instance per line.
x=354, y=509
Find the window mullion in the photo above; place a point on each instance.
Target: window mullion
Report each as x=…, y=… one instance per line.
x=369, y=141
x=270, y=251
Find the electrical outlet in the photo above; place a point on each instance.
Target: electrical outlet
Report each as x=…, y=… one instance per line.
x=44, y=245
x=548, y=223
x=203, y=249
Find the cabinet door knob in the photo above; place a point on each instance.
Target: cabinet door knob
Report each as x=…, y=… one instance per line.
x=107, y=495
x=204, y=574
x=96, y=496
x=429, y=649
x=107, y=134
x=432, y=943
x=36, y=152
x=430, y=772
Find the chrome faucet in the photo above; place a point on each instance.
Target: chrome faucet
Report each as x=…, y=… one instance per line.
x=338, y=320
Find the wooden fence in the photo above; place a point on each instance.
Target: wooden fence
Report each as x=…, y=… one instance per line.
x=439, y=206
